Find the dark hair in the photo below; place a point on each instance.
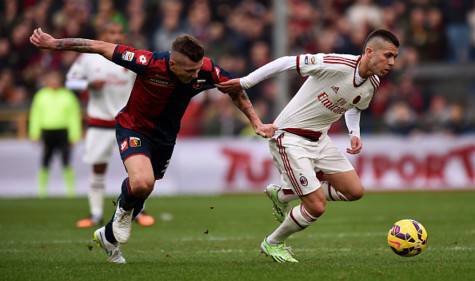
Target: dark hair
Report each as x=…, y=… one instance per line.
x=189, y=46
x=383, y=34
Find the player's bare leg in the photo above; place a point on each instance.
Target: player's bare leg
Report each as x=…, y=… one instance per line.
x=135, y=189
x=96, y=201
x=299, y=218
x=343, y=186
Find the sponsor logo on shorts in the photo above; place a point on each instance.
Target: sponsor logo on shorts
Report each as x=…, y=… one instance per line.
x=306, y=60
x=303, y=180
x=128, y=56
x=124, y=145
x=135, y=142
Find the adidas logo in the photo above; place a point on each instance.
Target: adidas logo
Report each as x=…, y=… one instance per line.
x=335, y=89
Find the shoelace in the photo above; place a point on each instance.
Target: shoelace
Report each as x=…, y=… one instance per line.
x=121, y=218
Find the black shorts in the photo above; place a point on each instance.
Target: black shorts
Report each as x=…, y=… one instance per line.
x=132, y=143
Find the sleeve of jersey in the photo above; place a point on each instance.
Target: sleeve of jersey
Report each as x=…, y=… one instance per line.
x=136, y=60
x=219, y=75
x=274, y=67
x=77, y=78
x=309, y=64
x=352, y=120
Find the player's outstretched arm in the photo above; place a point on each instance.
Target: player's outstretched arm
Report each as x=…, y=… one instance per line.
x=241, y=100
x=352, y=120
x=274, y=67
x=44, y=40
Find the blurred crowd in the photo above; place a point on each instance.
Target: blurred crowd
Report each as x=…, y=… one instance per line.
x=238, y=36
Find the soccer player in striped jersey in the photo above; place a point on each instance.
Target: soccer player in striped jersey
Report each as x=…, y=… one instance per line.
x=337, y=84
x=148, y=125
x=109, y=87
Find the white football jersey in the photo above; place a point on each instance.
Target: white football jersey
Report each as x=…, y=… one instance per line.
x=107, y=102
x=328, y=93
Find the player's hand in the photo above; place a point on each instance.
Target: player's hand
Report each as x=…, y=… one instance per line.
x=42, y=39
x=230, y=86
x=356, y=145
x=96, y=84
x=266, y=130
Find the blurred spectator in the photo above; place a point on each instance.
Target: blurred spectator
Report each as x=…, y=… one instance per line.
x=170, y=26
x=457, y=29
x=137, y=17
x=471, y=24
x=365, y=14
x=457, y=122
x=410, y=93
x=438, y=115
x=400, y=118
x=436, y=39
x=11, y=95
x=107, y=12
x=55, y=118
x=199, y=20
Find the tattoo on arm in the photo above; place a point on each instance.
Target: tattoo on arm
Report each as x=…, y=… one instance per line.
x=76, y=44
x=241, y=100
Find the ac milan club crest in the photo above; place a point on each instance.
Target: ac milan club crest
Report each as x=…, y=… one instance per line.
x=303, y=181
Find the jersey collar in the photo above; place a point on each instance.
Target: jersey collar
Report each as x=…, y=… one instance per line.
x=354, y=74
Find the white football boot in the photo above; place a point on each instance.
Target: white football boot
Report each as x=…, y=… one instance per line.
x=122, y=224
x=113, y=252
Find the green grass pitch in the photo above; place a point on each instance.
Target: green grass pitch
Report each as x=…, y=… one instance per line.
x=217, y=238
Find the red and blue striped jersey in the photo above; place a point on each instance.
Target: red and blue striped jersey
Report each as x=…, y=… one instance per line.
x=158, y=99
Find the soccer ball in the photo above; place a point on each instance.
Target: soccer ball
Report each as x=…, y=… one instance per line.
x=407, y=238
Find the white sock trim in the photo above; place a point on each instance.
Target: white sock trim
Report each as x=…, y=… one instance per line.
x=297, y=220
x=331, y=194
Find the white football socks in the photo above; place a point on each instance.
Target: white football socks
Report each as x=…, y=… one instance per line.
x=96, y=196
x=296, y=220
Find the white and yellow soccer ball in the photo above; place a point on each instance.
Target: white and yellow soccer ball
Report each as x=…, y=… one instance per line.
x=407, y=238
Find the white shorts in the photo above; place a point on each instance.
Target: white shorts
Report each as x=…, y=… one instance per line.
x=298, y=160
x=99, y=145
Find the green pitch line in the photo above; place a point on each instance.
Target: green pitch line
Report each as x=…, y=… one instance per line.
x=217, y=238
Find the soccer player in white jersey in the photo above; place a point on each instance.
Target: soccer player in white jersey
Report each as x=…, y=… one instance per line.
x=336, y=85
x=109, y=88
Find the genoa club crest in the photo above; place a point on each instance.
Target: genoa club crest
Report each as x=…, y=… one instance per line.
x=135, y=142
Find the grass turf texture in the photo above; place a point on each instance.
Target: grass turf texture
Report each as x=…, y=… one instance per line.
x=217, y=238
